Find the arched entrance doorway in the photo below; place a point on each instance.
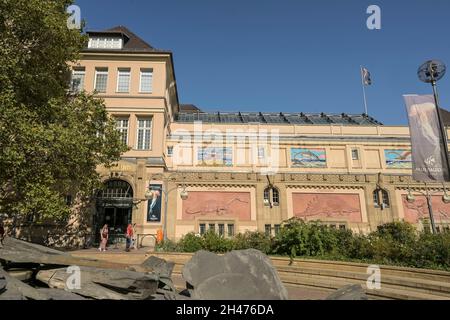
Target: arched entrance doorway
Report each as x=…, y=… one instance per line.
x=114, y=206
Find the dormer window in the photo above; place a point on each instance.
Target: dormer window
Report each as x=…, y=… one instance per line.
x=100, y=42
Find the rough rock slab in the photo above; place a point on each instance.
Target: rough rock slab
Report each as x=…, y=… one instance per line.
x=18, y=251
x=237, y=275
x=201, y=266
x=104, y=283
x=58, y=294
x=2, y=284
x=350, y=292
x=21, y=274
x=227, y=286
x=256, y=265
x=159, y=266
x=18, y=290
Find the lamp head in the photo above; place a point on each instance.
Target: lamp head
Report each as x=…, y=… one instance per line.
x=431, y=71
x=183, y=194
x=410, y=197
x=148, y=194
x=446, y=198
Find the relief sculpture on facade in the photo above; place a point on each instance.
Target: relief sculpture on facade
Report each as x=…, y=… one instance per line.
x=218, y=204
x=311, y=206
x=418, y=210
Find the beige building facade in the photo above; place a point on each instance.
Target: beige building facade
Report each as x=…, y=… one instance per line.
x=190, y=171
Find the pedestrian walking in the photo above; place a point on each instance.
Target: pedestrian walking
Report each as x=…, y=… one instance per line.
x=135, y=244
x=104, y=235
x=129, y=236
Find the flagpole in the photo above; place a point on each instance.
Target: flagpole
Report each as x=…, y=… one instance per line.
x=364, y=89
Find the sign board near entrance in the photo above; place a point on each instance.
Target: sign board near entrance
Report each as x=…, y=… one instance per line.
x=154, y=204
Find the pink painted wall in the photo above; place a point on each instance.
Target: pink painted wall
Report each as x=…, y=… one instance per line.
x=316, y=206
x=419, y=209
x=210, y=204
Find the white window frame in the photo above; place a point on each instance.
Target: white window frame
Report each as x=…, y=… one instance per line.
x=170, y=154
x=357, y=154
x=105, y=43
x=142, y=71
x=137, y=132
x=123, y=71
x=79, y=71
x=121, y=127
x=99, y=71
x=261, y=152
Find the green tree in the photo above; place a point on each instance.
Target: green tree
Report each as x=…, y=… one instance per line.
x=51, y=141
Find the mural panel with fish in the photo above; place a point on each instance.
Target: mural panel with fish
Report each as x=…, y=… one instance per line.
x=398, y=158
x=308, y=158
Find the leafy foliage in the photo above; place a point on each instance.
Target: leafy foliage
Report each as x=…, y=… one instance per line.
x=51, y=141
x=395, y=243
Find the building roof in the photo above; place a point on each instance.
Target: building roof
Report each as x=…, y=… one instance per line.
x=131, y=42
x=189, y=108
x=277, y=118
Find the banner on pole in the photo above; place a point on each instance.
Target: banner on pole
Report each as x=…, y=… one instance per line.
x=427, y=143
x=154, y=204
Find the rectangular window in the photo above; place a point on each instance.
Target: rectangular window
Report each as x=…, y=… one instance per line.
x=170, y=151
x=146, y=80
x=77, y=83
x=122, y=127
x=105, y=43
x=268, y=230
x=221, y=229
x=355, y=154
x=144, y=133
x=101, y=79
x=123, y=80
x=212, y=227
x=261, y=153
x=202, y=228
x=342, y=227
x=230, y=230
x=277, y=228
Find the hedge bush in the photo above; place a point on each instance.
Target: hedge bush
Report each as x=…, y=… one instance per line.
x=396, y=243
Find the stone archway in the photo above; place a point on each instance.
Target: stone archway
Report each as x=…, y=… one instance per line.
x=114, y=205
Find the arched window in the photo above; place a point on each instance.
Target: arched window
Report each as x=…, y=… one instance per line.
x=116, y=189
x=271, y=196
x=381, y=199
x=275, y=197
x=376, y=198
x=267, y=196
x=385, y=196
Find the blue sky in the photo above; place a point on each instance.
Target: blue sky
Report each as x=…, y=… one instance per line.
x=289, y=55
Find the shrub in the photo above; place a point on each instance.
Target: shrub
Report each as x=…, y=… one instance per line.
x=255, y=240
x=190, y=243
x=215, y=243
x=401, y=232
x=395, y=243
x=167, y=246
x=432, y=250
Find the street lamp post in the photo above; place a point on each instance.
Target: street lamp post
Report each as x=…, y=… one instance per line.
x=165, y=192
x=445, y=198
x=431, y=72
